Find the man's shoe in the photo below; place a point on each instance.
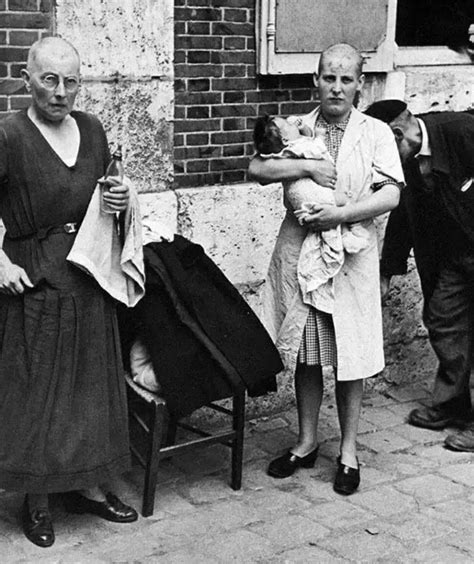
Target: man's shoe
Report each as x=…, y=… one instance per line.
x=347, y=479
x=37, y=525
x=286, y=465
x=111, y=508
x=462, y=441
x=435, y=418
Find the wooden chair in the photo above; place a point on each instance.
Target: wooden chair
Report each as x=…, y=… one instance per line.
x=149, y=417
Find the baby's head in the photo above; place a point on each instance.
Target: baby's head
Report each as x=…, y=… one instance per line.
x=272, y=134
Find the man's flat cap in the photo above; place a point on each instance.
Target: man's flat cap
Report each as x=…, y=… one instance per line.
x=386, y=110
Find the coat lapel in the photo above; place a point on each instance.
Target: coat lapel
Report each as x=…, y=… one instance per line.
x=352, y=135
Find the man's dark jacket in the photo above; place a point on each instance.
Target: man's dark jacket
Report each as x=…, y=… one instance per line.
x=203, y=338
x=435, y=218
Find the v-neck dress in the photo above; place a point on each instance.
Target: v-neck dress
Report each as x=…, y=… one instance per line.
x=63, y=417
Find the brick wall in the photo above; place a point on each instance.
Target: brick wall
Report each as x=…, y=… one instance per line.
x=218, y=94
x=22, y=22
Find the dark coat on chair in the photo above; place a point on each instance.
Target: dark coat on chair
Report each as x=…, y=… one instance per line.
x=203, y=338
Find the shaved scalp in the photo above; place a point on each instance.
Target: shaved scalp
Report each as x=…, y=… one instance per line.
x=56, y=46
x=342, y=51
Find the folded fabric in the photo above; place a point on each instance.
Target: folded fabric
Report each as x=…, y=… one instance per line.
x=141, y=367
x=118, y=268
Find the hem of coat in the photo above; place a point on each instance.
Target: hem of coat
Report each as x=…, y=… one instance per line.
x=64, y=482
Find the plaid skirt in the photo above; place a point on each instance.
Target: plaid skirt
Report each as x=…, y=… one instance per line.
x=318, y=344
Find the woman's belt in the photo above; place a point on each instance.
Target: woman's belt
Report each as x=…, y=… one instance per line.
x=43, y=232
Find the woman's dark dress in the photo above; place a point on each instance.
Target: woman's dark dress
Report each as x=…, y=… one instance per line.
x=63, y=419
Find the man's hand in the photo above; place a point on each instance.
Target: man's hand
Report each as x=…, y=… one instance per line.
x=13, y=279
x=115, y=195
x=384, y=287
x=323, y=217
x=323, y=172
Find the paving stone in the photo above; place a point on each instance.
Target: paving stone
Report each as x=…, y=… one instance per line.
x=268, y=424
x=415, y=528
x=402, y=410
x=430, y=489
x=376, y=400
x=384, y=501
x=462, y=473
x=444, y=456
x=208, y=489
x=338, y=514
x=400, y=463
x=204, y=461
x=458, y=513
x=463, y=542
x=366, y=427
x=380, y=416
x=414, y=505
x=441, y=554
x=276, y=442
x=371, y=477
x=273, y=501
x=408, y=393
x=304, y=555
x=237, y=546
x=186, y=556
x=384, y=441
x=417, y=434
x=360, y=546
x=290, y=531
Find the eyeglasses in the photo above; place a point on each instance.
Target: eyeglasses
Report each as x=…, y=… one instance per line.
x=52, y=81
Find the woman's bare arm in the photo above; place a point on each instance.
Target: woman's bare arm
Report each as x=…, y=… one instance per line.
x=326, y=217
x=267, y=171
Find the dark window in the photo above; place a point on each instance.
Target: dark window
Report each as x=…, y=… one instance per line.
x=434, y=22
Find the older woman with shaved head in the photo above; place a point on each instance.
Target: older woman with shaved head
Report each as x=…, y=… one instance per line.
x=62, y=398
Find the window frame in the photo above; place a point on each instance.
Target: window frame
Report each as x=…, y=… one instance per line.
x=388, y=56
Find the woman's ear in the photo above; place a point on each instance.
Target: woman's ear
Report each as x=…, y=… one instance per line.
x=315, y=79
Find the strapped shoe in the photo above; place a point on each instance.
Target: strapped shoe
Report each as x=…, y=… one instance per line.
x=462, y=441
x=111, y=509
x=347, y=479
x=286, y=465
x=37, y=525
x=436, y=418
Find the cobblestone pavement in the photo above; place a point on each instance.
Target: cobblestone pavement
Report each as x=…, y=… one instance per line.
x=415, y=503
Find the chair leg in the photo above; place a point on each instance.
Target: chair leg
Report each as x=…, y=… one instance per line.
x=238, y=424
x=171, y=431
x=152, y=461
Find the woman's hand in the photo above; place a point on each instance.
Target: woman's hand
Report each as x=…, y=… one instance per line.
x=115, y=195
x=322, y=171
x=323, y=217
x=13, y=279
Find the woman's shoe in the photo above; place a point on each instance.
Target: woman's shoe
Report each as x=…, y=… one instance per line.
x=347, y=478
x=286, y=465
x=111, y=508
x=37, y=525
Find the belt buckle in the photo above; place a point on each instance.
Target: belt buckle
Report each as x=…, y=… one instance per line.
x=70, y=227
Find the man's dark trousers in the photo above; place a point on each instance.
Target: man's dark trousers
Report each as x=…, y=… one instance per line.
x=449, y=318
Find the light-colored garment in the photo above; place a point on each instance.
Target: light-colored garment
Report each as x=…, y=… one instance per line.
x=322, y=253
x=118, y=269
x=368, y=148
x=141, y=367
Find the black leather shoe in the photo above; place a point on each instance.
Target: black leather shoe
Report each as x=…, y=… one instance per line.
x=436, y=418
x=111, y=508
x=347, y=478
x=286, y=465
x=462, y=441
x=37, y=525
